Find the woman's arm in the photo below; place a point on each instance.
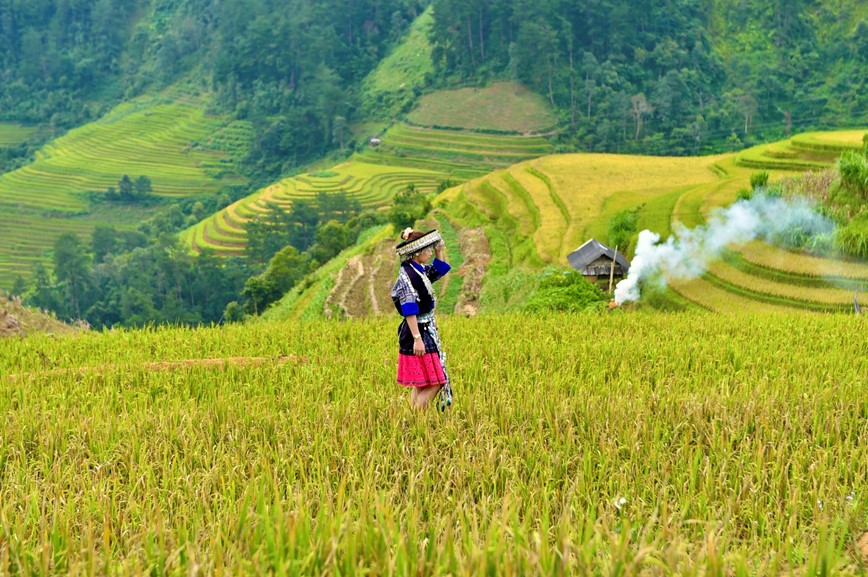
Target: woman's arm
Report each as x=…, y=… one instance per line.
x=418, y=344
x=439, y=267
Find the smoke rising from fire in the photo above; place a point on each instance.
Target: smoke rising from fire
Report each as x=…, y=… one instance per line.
x=688, y=252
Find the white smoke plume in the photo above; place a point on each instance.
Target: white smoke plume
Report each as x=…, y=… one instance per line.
x=688, y=252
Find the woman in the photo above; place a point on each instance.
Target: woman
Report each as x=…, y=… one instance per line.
x=421, y=360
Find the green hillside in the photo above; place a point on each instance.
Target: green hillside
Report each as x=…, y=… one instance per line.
x=166, y=142
x=393, y=83
x=407, y=155
x=532, y=214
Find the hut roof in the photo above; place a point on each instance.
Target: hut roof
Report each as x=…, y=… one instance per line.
x=591, y=251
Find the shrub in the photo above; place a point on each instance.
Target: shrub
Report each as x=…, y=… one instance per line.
x=744, y=194
x=853, y=167
x=853, y=238
x=563, y=290
x=759, y=179
x=622, y=227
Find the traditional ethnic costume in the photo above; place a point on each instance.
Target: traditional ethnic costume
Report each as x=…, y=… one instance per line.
x=413, y=294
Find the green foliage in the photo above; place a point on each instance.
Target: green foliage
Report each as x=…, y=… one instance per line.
x=853, y=168
x=285, y=269
x=564, y=290
x=129, y=190
x=759, y=179
x=853, y=237
x=622, y=227
x=408, y=206
x=233, y=313
x=640, y=78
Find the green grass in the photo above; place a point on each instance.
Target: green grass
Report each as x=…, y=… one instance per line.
x=13, y=134
x=405, y=67
x=502, y=106
x=700, y=445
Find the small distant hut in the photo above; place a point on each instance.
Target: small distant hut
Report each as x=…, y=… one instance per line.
x=594, y=260
x=375, y=141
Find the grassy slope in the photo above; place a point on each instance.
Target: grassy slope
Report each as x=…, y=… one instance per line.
x=536, y=212
x=17, y=320
x=500, y=106
x=403, y=69
x=167, y=142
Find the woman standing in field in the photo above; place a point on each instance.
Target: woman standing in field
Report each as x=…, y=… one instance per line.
x=421, y=360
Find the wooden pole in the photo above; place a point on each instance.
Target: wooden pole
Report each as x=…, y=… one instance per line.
x=612, y=271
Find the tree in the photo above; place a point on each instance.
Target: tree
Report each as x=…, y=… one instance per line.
x=72, y=270
x=43, y=296
x=331, y=238
x=339, y=130
x=104, y=241
x=257, y=291
x=639, y=108
x=143, y=186
x=592, y=70
x=19, y=286
x=126, y=188
x=408, y=206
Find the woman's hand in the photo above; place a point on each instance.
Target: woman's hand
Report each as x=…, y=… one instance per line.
x=418, y=347
x=438, y=250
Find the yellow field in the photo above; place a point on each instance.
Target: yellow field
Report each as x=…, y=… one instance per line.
x=589, y=189
x=710, y=297
x=791, y=291
x=805, y=264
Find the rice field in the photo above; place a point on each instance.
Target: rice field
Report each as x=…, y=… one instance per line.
x=811, y=150
x=408, y=155
x=12, y=134
x=534, y=213
x=168, y=143
x=628, y=444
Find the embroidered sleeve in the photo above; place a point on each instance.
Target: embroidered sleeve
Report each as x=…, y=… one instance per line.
x=437, y=269
x=405, y=295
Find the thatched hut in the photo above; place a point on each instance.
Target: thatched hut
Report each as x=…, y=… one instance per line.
x=594, y=260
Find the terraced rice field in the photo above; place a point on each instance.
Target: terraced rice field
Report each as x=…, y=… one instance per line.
x=587, y=190
x=802, y=152
x=13, y=134
x=168, y=143
x=538, y=211
x=422, y=157
x=559, y=201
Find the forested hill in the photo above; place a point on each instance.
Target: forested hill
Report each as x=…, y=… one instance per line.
x=652, y=76
x=668, y=76
x=289, y=66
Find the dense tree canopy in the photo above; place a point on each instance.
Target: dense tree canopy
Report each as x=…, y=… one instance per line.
x=289, y=66
x=659, y=76
x=668, y=76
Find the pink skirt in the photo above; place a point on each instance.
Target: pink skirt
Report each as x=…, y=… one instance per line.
x=424, y=371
